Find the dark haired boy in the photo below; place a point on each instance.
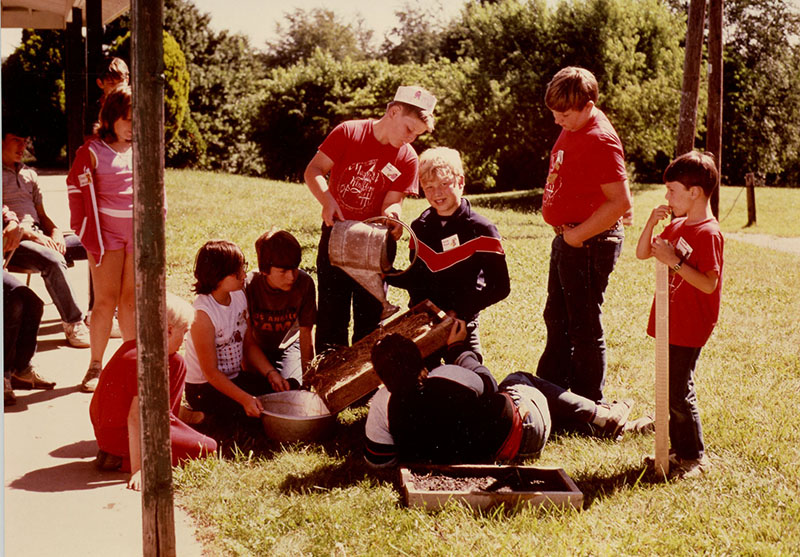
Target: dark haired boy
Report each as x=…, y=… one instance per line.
x=585, y=198
x=457, y=412
x=372, y=168
x=44, y=247
x=282, y=309
x=691, y=246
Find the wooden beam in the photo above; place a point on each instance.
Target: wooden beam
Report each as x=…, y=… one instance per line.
x=94, y=55
x=75, y=84
x=714, y=124
x=691, y=77
x=147, y=55
x=662, y=370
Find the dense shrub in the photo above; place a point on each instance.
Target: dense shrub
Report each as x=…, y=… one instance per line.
x=176, y=82
x=33, y=86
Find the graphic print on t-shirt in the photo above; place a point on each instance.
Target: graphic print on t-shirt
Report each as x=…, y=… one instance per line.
x=359, y=185
x=274, y=321
x=229, y=351
x=553, y=181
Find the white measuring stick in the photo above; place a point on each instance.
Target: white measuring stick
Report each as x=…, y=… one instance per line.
x=662, y=368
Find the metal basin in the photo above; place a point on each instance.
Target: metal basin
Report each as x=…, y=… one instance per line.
x=292, y=416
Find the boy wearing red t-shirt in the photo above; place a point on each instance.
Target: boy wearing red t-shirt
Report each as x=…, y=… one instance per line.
x=691, y=245
x=372, y=168
x=585, y=198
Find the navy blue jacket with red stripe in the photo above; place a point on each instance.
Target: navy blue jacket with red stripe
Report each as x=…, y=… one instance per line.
x=466, y=278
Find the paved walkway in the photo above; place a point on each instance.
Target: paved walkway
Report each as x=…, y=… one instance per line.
x=56, y=503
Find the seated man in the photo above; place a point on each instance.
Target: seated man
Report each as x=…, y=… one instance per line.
x=281, y=309
x=460, y=265
x=44, y=248
x=456, y=413
x=22, y=314
x=114, y=409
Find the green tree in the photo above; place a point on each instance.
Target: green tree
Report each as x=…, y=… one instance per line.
x=418, y=35
x=301, y=104
x=761, y=91
x=33, y=85
x=632, y=46
x=176, y=81
x=307, y=30
x=224, y=72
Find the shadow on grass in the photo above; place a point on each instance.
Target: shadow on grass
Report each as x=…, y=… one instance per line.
x=600, y=486
x=521, y=201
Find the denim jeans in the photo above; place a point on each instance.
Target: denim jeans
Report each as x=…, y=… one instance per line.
x=685, y=431
x=203, y=397
x=287, y=362
x=550, y=407
x=53, y=268
x=22, y=314
x=575, y=354
x=473, y=342
x=336, y=291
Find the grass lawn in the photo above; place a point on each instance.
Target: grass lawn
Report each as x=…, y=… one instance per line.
x=322, y=500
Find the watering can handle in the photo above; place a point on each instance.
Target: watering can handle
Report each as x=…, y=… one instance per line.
x=413, y=237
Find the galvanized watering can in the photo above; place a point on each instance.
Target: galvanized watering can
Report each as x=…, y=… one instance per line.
x=365, y=250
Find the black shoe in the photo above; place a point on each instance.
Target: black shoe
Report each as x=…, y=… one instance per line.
x=107, y=461
x=9, y=398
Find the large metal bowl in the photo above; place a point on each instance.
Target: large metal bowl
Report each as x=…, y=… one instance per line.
x=291, y=416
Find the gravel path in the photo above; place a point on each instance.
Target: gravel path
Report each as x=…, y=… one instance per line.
x=788, y=245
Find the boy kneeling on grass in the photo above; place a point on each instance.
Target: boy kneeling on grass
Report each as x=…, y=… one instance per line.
x=458, y=414
x=691, y=245
x=460, y=266
x=114, y=409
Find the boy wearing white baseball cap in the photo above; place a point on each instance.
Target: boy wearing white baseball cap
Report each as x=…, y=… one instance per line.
x=370, y=167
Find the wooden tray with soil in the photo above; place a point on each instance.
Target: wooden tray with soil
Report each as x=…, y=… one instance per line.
x=486, y=486
x=344, y=376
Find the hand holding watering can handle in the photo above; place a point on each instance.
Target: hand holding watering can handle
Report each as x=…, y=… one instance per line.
x=413, y=238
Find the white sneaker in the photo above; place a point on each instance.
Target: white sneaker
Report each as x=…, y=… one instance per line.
x=115, y=331
x=77, y=334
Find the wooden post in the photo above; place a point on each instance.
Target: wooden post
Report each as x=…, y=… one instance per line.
x=75, y=83
x=158, y=521
x=749, y=181
x=94, y=54
x=691, y=76
x=714, y=124
x=662, y=368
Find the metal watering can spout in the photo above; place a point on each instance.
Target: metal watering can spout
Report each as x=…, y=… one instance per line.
x=365, y=251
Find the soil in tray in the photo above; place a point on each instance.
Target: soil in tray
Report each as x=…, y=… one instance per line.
x=509, y=481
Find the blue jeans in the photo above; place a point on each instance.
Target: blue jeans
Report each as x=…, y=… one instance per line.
x=22, y=314
x=554, y=407
x=575, y=354
x=336, y=291
x=288, y=363
x=685, y=431
x=53, y=268
x=473, y=342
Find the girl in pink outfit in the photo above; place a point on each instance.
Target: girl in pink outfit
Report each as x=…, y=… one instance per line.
x=100, y=187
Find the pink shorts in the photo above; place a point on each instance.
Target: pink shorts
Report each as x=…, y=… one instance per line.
x=117, y=233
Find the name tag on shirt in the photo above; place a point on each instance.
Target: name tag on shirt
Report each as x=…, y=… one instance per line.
x=85, y=179
x=683, y=249
x=390, y=172
x=450, y=242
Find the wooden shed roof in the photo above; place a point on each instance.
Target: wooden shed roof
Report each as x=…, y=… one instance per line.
x=53, y=14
